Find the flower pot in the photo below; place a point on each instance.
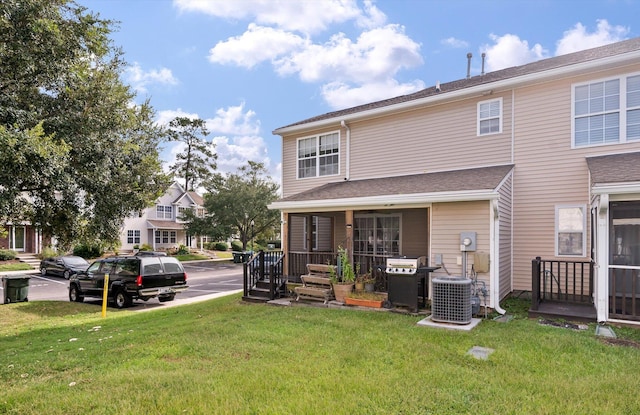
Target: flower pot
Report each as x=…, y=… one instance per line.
x=369, y=287
x=359, y=286
x=363, y=302
x=341, y=290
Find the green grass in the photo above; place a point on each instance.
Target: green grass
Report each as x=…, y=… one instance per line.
x=14, y=266
x=227, y=357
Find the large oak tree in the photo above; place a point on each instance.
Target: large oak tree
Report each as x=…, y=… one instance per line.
x=77, y=156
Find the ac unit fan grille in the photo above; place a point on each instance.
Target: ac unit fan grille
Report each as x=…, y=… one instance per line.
x=451, y=300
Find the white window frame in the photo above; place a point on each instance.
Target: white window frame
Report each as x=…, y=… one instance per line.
x=562, y=228
x=317, y=157
x=164, y=212
x=133, y=236
x=490, y=117
x=165, y=237
x=623, y=109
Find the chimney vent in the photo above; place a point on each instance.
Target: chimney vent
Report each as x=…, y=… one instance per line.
x=469, y=55
x=483, y=56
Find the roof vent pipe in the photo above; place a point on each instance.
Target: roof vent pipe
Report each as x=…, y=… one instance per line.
x=483, y=56
x=469, y=55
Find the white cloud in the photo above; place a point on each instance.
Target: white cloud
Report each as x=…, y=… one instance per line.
x=509, y=50
x=340, y=95
x=140, y=79
x=255, y=45
x=377, y=55
x=299, y=16
x=234, y=121
x=235, y=132
x=578, y=38
x=454, y=43
x=165, y=117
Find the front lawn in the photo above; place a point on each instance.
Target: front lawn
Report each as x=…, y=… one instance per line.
x=224, y=356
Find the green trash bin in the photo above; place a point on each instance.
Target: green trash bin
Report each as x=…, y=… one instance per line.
x=16, y=288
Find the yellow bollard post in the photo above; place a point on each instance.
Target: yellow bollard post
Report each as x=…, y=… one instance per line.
x=105, y=295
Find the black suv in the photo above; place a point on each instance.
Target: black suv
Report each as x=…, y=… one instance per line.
x=133, y=277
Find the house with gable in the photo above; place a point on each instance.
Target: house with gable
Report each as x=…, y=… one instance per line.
x=160, y=226
x=540, y=162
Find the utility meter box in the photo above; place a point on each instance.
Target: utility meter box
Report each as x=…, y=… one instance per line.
x=468, y=241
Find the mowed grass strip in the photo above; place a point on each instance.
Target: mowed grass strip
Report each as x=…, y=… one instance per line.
x=228, y=357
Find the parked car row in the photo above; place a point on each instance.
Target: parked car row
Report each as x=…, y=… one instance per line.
x=143, y=276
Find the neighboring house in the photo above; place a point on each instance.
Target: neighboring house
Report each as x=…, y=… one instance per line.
x=539, y=160
x=160, y=226
x=22, y=237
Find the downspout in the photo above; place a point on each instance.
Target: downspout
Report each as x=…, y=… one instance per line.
x=513, y=127
x=348, y=150
x=495, y=264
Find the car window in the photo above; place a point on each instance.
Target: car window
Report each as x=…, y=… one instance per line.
x=172, y=266
x=107, y=267
x=151, y=265
x=127, y=267
x=94, y=267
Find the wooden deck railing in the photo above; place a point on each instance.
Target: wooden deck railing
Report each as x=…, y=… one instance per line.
x=561, y=281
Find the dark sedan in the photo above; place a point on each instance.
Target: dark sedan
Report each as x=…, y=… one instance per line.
x=63, y=266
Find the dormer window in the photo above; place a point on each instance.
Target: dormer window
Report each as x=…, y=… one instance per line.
x=319, y=156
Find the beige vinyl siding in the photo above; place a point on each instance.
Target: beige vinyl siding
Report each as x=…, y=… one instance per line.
x=548, y=171
x=505, y=237
x=447, y=221
x=437, y=138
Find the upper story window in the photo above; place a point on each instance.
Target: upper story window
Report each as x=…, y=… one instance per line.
x=164, y=212
x=490, y=117
x=606, y=112
x=319, y=156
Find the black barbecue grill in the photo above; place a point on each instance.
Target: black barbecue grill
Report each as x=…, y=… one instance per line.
x=408, y=281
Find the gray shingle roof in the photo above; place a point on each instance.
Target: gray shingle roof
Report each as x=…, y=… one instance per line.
x=612, y=49
x=614, y=168
x=483, y=178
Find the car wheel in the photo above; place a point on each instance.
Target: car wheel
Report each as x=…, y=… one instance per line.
x=43, y=271
x=122, y=299
x=66, y=274
x=74, y=294
x=166, y=298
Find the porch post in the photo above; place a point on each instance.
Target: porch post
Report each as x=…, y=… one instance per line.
x=284, y=232
x=602, y=265
x=348, y=216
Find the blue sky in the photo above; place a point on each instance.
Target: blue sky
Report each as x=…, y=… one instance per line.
x=248, y=67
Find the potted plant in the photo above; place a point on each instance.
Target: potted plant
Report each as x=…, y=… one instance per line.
x=343, y=284
x=360, y=279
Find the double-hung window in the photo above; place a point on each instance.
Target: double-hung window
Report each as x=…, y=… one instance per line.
x=606, y=111
x=490, y=117
x=319, y=156
x=133, y=236
x=164, y=212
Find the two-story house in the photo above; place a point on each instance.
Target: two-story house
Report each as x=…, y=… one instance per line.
x=160, y=226
x=540, y=160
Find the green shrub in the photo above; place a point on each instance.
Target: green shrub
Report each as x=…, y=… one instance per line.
x=48, y=252
x=236, y=246
x=220, y=246
x=146, y=247
x=7, y=254
x=277, y=244
x=88, y=251
x=182, y=250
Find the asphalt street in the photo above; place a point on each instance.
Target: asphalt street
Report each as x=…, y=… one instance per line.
x=206, y=279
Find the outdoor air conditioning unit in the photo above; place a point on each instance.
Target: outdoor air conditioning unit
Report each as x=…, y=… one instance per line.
x=451, y=300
